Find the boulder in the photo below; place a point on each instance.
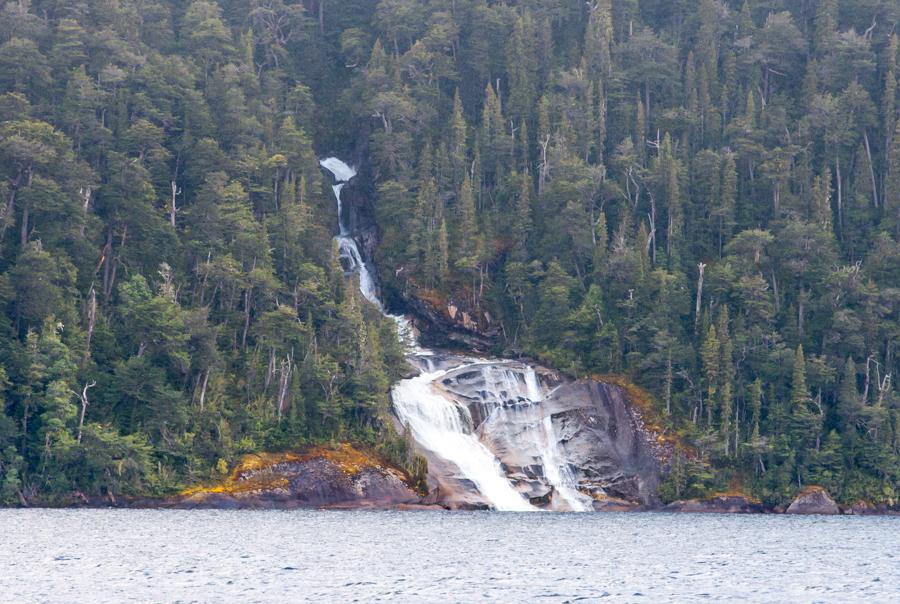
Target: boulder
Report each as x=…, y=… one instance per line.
x=813, y=500
x=859, y=508
x=338, y=477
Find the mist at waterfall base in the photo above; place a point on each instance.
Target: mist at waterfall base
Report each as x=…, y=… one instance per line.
x=443, y=557
x=442, y=426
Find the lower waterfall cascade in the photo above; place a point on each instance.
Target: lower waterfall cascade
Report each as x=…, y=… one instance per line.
x=438, y=414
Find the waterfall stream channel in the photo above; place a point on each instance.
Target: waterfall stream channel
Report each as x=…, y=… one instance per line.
x=465, y=413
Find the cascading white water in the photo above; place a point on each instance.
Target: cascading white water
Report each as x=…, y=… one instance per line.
x=441, y=425
x=556, y=470
x=342, y=171
x=351, y=259
x=445, y=428
x=512, y=399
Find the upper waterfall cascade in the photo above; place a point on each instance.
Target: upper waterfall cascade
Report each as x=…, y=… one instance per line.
x=440, y=421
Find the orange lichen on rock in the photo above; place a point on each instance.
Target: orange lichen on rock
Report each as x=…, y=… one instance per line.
x=260, y=472
x=812, y=489
x=267, y=482
x=737, y=493
x=348, y=458
x=433, y=298
x=643, y=401
x=603, y=497
x=258, y=462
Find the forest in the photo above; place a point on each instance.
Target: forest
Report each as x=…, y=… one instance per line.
x=701, y=196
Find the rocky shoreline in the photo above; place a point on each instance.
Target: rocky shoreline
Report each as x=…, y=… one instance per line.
x=343, y=477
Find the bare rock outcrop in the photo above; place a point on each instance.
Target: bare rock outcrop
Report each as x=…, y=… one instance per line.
x=730, y=503
x=598, y=437
x=340, y=476
x=813, y=500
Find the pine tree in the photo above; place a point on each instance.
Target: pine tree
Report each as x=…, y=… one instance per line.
x=710, y=354
x=849, y=402
x=799, y=390
x=804, y=424
x=521, y=220
x=726, y=378
x=422, y=241
x=458, y=141
x=597, y=40
x=522, y=69
x=443, y=252
x=726, y=209
x=601, y=247
x=892, y=188
x=825, y=25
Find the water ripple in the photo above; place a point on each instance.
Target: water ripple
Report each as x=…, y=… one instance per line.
x=308, y=556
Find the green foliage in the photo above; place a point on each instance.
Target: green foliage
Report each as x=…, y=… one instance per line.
x=569, y=170
x=613, y=154
x=169, y=292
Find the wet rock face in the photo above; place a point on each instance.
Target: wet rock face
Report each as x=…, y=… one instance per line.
x=606, y=440
x=446, y=325
x=598, y=439
x=813, y=500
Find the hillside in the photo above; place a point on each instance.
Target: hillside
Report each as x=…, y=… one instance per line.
x=699, y=196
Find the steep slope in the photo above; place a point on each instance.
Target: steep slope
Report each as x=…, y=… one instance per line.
x=498, y=435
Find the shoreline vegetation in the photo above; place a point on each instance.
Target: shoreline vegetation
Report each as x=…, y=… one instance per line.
x=328, y=477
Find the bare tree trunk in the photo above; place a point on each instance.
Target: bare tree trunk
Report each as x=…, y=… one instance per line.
x=91, y=321
x=545, y=165
x=646, y=104
x=270, y=370
x=840, y=195
x=10, y=203
x=652, y=240
x=106, y=260
x=84, y=405
x=286, y=370
x=86, y=192
x=247, y=300
x=203, y=390
x=884, y=386
x=871, y=170
x=865, y=395
x=173, y=209
x=23, y=233
x=702, y=267
x=114, y=261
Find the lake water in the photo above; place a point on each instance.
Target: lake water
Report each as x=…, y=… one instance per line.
x=273, y=556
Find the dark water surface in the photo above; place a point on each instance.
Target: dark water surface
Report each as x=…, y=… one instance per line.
x=228, y=556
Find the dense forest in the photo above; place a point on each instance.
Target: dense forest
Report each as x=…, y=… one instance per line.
x=701, y=195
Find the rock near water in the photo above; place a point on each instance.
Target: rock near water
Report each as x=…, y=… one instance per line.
x=562, y=444
x=718, y=504
x=813, y=500
x=336, y=477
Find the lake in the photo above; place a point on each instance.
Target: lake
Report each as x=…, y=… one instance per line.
x=324, y=556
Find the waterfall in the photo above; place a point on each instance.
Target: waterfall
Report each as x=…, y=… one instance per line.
x=556, y=469
x=444, y=426
x=511, y=401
